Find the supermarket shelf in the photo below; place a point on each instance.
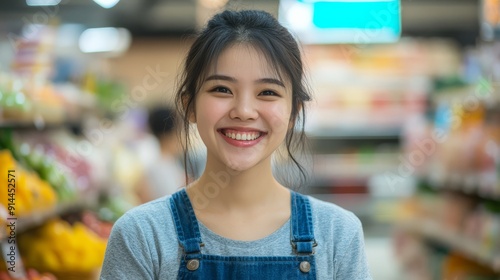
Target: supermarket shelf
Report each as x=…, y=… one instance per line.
x=356, y=133
x=473, y=191
x=36, y=219
x=466, y=184
x=456, y=241
x=344, y=166
x=38, y=125
x=485, y=92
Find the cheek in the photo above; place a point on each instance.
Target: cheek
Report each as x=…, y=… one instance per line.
x=208, y=113
x=279, y=117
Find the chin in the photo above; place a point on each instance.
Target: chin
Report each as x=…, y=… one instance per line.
x=240, y=166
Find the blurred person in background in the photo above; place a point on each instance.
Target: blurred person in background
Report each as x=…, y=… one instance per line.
x=165, y=175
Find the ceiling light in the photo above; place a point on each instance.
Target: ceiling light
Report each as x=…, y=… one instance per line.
x=300, y=16
x=42, y=2
x=213, y=4
x=105, y=40
x=107, y=3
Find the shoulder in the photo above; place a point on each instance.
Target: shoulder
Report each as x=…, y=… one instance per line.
x=139, y=242
x=146, y=218
x=335, y=225
x=325, y=211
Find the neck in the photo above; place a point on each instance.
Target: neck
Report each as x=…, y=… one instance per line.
x=224, y=189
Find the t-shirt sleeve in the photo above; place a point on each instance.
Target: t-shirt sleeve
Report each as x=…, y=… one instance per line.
x=127, y=253
x=352, y=263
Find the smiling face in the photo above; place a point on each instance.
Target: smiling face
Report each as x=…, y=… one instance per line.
x=242, y=109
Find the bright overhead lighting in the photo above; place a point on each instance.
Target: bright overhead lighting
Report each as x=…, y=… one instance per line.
x=42, y=2
x=107, y=3
x=300, y=16
x=105, y=40
x=213, y=4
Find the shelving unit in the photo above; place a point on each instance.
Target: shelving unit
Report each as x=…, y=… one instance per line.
x=470, y=248
x=457, y=203
x=36, y=219
x=355, y=133
x=469, y=186
x=52, y=163
x=39, y=125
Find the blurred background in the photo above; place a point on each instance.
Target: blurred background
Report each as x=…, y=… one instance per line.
x=404, y=129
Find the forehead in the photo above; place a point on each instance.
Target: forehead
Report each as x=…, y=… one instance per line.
x=245, y=60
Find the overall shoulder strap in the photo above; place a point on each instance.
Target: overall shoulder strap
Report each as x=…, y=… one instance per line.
x=185, y=221
x=302, y=224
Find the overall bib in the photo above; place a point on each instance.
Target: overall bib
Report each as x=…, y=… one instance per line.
x=195, y=265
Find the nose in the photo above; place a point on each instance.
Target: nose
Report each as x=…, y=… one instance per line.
x=244, y=108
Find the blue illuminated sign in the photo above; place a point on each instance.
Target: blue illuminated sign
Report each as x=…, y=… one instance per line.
x=358, y=22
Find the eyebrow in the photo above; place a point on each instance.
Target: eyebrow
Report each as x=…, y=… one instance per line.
x=233, y=80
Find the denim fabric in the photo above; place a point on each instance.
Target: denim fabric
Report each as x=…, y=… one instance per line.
x=244, y=267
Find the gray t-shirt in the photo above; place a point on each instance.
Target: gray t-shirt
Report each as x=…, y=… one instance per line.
x=143, y=244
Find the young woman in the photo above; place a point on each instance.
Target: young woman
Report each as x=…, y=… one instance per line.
x=243, y=88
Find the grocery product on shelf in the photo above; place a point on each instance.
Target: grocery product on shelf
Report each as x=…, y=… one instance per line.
x=391, y=85
x=32, y=194
x=46, y=167
x=61, y=248
x=32, y=274
x=101, y=228
x=25, y=100
x=455, y=265
x=34, y=51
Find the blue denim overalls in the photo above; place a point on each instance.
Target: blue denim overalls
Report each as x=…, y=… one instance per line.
x=195, y=265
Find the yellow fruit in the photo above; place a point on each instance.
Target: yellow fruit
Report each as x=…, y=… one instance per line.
x=71, y=260
x=47, y=193
x=59, y=247
x=24, y=196
x=7, y=160
x=7, y=163
x=51, y=261
x=54, y=228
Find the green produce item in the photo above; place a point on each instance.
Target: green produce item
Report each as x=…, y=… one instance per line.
x=492, y=206
x=108, y=92
x=34, y=159
x=54, y=174
x=7, y=142
x=448, y=82
x=113, y=208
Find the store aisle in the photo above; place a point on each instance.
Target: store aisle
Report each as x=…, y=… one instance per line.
x=383, y=264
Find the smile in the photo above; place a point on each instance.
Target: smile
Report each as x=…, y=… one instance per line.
x=242, y=138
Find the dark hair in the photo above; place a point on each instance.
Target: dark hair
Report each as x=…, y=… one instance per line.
x=162, y=121
x=263, y=31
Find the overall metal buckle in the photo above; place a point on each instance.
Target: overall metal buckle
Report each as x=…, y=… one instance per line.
x=294, y=245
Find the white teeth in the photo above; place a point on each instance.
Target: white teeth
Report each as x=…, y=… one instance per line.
x=243, y=136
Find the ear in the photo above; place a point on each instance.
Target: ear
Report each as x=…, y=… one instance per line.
x=192, y=114
x=192, y=117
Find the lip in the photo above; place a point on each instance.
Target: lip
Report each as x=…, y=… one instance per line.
x=241, y=128
x=241, y=143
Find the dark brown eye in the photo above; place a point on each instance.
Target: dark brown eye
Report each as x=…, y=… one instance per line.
x=221, y=89
x=269, y=93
